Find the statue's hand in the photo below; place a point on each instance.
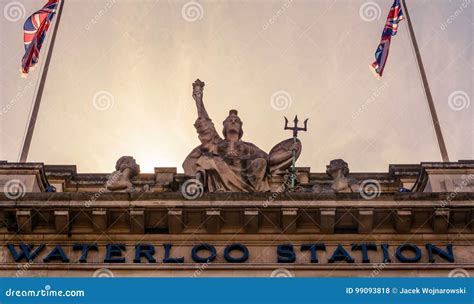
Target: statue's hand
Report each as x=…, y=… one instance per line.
x=295, y=147
x=198, y=87
x=281, y=155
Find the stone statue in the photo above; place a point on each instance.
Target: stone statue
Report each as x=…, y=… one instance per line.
x=120, y=180
x=338, y=170
x=230, y=164
x=280, y=156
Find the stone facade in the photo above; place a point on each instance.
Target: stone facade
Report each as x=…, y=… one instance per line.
x=418, y=217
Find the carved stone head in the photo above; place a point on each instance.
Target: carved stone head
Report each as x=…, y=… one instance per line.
x=120, y=180
x=125, y=162
x=233, y=124
x=337, y=168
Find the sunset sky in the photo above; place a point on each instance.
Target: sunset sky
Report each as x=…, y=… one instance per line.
x=121, y=74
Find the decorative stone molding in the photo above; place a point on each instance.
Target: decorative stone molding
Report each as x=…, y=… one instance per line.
x=446, y=177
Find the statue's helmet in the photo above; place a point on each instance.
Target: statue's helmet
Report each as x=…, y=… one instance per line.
x=233, y=124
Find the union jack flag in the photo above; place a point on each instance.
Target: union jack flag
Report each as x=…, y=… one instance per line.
x=391, y=27
x=34, y=34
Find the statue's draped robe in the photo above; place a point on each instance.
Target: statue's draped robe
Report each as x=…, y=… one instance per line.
x=241, y=168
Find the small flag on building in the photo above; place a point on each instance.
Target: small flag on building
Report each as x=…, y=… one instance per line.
x=35, y=29
x=391, y=26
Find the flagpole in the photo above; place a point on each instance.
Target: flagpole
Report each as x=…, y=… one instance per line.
x=439, y=135
x=34, y=114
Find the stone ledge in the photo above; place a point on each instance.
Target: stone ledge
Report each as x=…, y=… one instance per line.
x=230, y=266
x=212, y=197
x=189, y=217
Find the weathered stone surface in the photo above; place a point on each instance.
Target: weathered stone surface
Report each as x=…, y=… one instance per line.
x=164, y=177
x=24, y=221
x=175, y=221
x=84, y=213
x=61, y=221
x=289, y=217
x=137, y=221
x=328, y=217
x=120, y=180
x=213, y=221
x=403, y=220
x=231, y=164
x=451, y=178
x=338, y=171
x=440, y=220
x=251, y=220
x=99, y=220
x=366, y=220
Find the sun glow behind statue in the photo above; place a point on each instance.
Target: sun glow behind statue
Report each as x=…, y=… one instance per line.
x=128, y=92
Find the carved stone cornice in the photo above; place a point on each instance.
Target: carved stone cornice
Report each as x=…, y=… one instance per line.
x=165, y=213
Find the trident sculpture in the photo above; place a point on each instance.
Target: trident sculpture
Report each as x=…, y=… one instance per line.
x=295, y=130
